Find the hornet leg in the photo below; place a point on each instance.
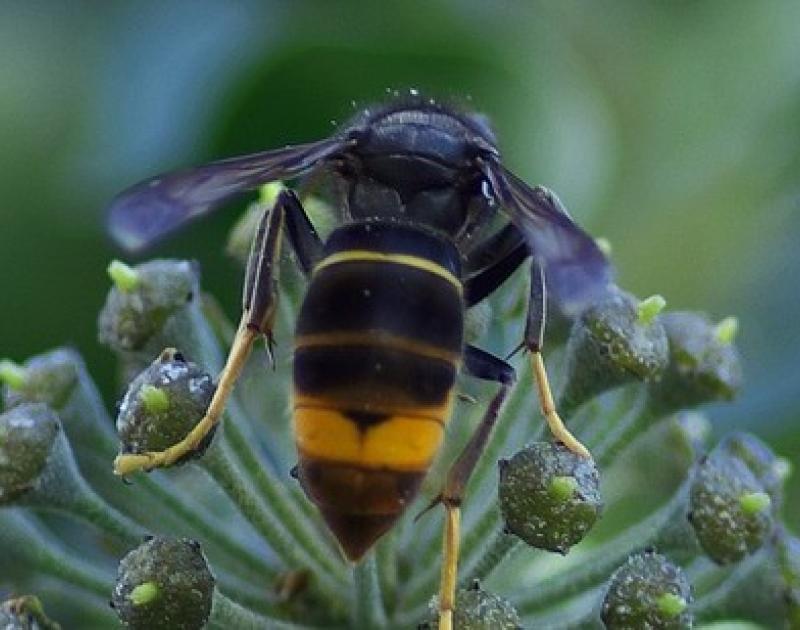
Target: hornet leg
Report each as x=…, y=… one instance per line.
x=534, y=338
x=258, y=315
x=495, y=270
x=484, y=366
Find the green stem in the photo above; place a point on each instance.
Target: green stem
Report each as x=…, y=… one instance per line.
x=622, y=435
x=90, y=507
x=210, y=533
x=275, y=495
x=717, y=603
x=580, y=613
x=386, y=558
x=598, y=563
x=227, y=615
x=497, y=551
x=301, y=502
x=218, y=323
x=86, y=409
x=473, y=546
x=81, y=575
x=593, y=424
x=27, y=544
x=61, y=487
x=227, y=475
x=91, y=609
x=368, y=610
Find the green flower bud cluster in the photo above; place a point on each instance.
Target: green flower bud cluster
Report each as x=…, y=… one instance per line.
x=681, y=533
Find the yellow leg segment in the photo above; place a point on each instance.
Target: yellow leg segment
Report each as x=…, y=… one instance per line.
x=451, y=496
x=554, y=422
x=447, y=588
x=237, y=358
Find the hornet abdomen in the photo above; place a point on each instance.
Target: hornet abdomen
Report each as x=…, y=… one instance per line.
x=378, y=345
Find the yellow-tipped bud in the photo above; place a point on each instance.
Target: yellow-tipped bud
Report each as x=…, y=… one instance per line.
x=154, y=399
x=144, y=593
x=12, y=374
x=124, y=277
x=726, y=330
x=649, y=308
x=671, y=605
x=753, y=503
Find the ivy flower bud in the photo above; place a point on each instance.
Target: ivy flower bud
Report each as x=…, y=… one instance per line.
x=27, y=438
x=49, y=378
x=614, y=341
x=240, y=237
x=691, y=429
x=648, y=591
x=728, y=508
x=762, y=462
x=477, y=609
x=163, y=403
x=124, y=277
x=703, y=367
x=164, y=584
x=549, y=496
x=136, y=313
x=12, y=375
x=25, y=613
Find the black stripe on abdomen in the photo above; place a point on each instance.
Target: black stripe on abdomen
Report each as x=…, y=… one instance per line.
x=395, y=298
x=372, y=377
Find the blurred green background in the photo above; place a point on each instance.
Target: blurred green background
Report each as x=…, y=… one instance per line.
x=672, y=129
